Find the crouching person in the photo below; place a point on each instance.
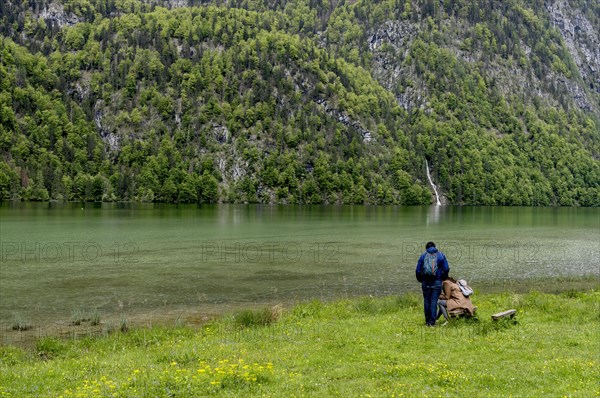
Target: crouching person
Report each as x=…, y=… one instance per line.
x=453, y=301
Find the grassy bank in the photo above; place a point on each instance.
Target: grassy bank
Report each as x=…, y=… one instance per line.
x=359, y=347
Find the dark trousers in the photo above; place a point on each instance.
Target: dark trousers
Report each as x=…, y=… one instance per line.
x=431, y=294
x=443, y=310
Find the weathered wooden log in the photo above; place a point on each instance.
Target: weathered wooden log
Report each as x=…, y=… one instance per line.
x=504, y=314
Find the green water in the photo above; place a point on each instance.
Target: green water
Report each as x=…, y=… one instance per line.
x=159, y=259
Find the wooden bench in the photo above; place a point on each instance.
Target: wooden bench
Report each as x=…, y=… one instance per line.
x=504, y=314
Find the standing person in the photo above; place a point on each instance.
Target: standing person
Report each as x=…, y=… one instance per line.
x=432, y=269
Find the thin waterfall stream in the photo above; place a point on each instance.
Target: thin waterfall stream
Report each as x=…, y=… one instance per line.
x=437, y=196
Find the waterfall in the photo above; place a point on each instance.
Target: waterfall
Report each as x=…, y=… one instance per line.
x=437, y=196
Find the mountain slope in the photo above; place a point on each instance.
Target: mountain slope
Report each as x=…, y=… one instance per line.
x=299, y=103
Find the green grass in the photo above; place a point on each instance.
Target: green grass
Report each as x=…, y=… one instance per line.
x=20, y=324
x=349, y=348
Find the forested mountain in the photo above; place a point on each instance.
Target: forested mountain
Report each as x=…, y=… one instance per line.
x=301, y=101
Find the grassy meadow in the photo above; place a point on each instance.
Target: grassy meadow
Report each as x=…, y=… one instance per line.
x=363, y=347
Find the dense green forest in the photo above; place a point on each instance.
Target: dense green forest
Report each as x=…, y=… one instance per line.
x=301, y=101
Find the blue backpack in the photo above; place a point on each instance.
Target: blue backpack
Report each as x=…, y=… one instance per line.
x=430, y=264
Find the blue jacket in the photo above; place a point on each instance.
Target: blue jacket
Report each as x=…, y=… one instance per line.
x=443, y=267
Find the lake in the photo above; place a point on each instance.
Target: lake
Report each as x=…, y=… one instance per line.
x=153, y=260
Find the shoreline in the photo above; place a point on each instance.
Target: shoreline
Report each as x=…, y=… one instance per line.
x=197, y=317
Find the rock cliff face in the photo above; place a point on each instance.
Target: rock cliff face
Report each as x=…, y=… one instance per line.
x=55, y=12
x=390, y=43
x=583, y=42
